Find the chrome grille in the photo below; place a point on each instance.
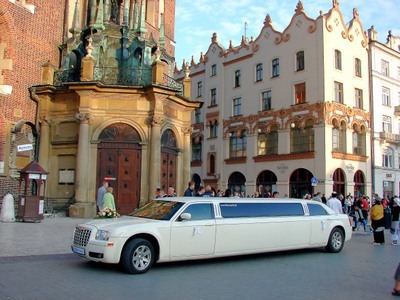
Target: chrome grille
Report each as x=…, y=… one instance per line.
x=81, y=236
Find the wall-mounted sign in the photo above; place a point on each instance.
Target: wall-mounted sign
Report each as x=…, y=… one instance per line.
x=26, y=147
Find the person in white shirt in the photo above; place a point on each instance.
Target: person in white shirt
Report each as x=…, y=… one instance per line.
x=335, y=204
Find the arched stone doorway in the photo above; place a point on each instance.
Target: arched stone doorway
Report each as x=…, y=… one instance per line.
x=119, y=159
x=339, y=182
x=237, y=184
x=359, y=184
x=300, y=183
x=169, y=157
x=268, y=180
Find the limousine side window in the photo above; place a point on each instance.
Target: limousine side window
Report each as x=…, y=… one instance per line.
x=200, y=211
x=243, y=210
x=316, y=210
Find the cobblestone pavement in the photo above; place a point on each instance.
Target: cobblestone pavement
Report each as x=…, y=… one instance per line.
x=50, y=236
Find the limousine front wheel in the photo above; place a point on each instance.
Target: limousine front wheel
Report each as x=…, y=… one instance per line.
x=336, y=241
x=137, y=256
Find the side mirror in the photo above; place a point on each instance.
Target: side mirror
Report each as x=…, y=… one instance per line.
x=185, y=217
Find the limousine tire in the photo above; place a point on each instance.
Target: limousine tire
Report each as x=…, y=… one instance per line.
x=336, y=241
x=137, y=256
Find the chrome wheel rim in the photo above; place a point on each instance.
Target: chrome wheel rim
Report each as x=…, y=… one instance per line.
x=337, y=240
x=141, y=258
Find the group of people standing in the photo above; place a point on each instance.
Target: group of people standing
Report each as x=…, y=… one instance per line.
x=105, y=197
x=384, y=213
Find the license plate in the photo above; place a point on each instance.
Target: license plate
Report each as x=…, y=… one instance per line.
x=78, y=250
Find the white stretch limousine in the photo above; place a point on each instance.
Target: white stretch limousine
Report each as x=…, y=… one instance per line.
x=171, y=229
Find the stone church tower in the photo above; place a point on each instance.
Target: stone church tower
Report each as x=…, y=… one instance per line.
x=112, y=111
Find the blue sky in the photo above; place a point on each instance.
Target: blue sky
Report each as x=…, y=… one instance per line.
x=197, y=20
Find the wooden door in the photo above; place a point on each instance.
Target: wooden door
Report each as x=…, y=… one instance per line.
x=121, y=168
x=168, y=170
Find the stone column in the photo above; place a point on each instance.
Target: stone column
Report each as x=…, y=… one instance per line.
x=83, y=207
x=44, y=143
x=187, y=157
x=155, y=154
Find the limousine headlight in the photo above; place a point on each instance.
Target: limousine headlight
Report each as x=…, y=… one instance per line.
x=103, y=235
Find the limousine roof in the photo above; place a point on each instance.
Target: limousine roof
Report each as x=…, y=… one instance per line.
x=234, y=200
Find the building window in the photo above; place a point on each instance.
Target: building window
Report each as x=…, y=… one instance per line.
x=197, y=116
x=300, y=93
x=385, y=67
x=300, y=61
x=359, y=138
x=213, y=97
x=199, y=89
x=213, y=70
x=268, y=142
x=385, y=96
x=386, y=124
x=213, y=129
x=237, y=107
x=211, y=163
x=338, y=92
x=237, y=144
x=275, y=67
x=358, y=95
x=266, y=100
x=339, y=136
x=302, y=139
x=338, y=60
x=357, y=66
x=387, y=157
x=196, y=149
x=237, y=78
x=259, y=72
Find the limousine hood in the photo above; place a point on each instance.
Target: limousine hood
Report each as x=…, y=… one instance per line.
x=111, y=223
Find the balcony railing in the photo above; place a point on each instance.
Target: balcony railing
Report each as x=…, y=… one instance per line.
x=109, y=76
x=397, y=110
x=172, y=83
x=390, y=137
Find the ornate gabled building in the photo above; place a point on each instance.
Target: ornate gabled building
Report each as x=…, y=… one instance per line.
x=112, y=111
x=385, y=91
x=287, y=110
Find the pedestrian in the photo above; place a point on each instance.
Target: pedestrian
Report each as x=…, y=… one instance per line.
x=395, y=226
x=190, y=190
x=100, y=194
x=200, y=191
x=378, y=222
x=347, y=204
x=323, y=199
x=208, y=192
x=334, y=203
x=227, y=193
x=108, y=199
x=275, y=194
x=317, y=197
x=261, y=192
x=171, y=192
x=396, y=288
x=158, y=193
x=365, y=207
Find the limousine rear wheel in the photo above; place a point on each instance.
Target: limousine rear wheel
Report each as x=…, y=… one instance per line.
x=137, y=256
x=336, y=241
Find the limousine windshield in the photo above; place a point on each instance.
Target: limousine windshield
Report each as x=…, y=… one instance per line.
x=157, y=210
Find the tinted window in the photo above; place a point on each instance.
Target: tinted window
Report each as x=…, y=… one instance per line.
x=237, y=210
x=316, y=210
x=200, y=211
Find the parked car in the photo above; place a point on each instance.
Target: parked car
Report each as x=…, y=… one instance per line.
x=172, y=229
